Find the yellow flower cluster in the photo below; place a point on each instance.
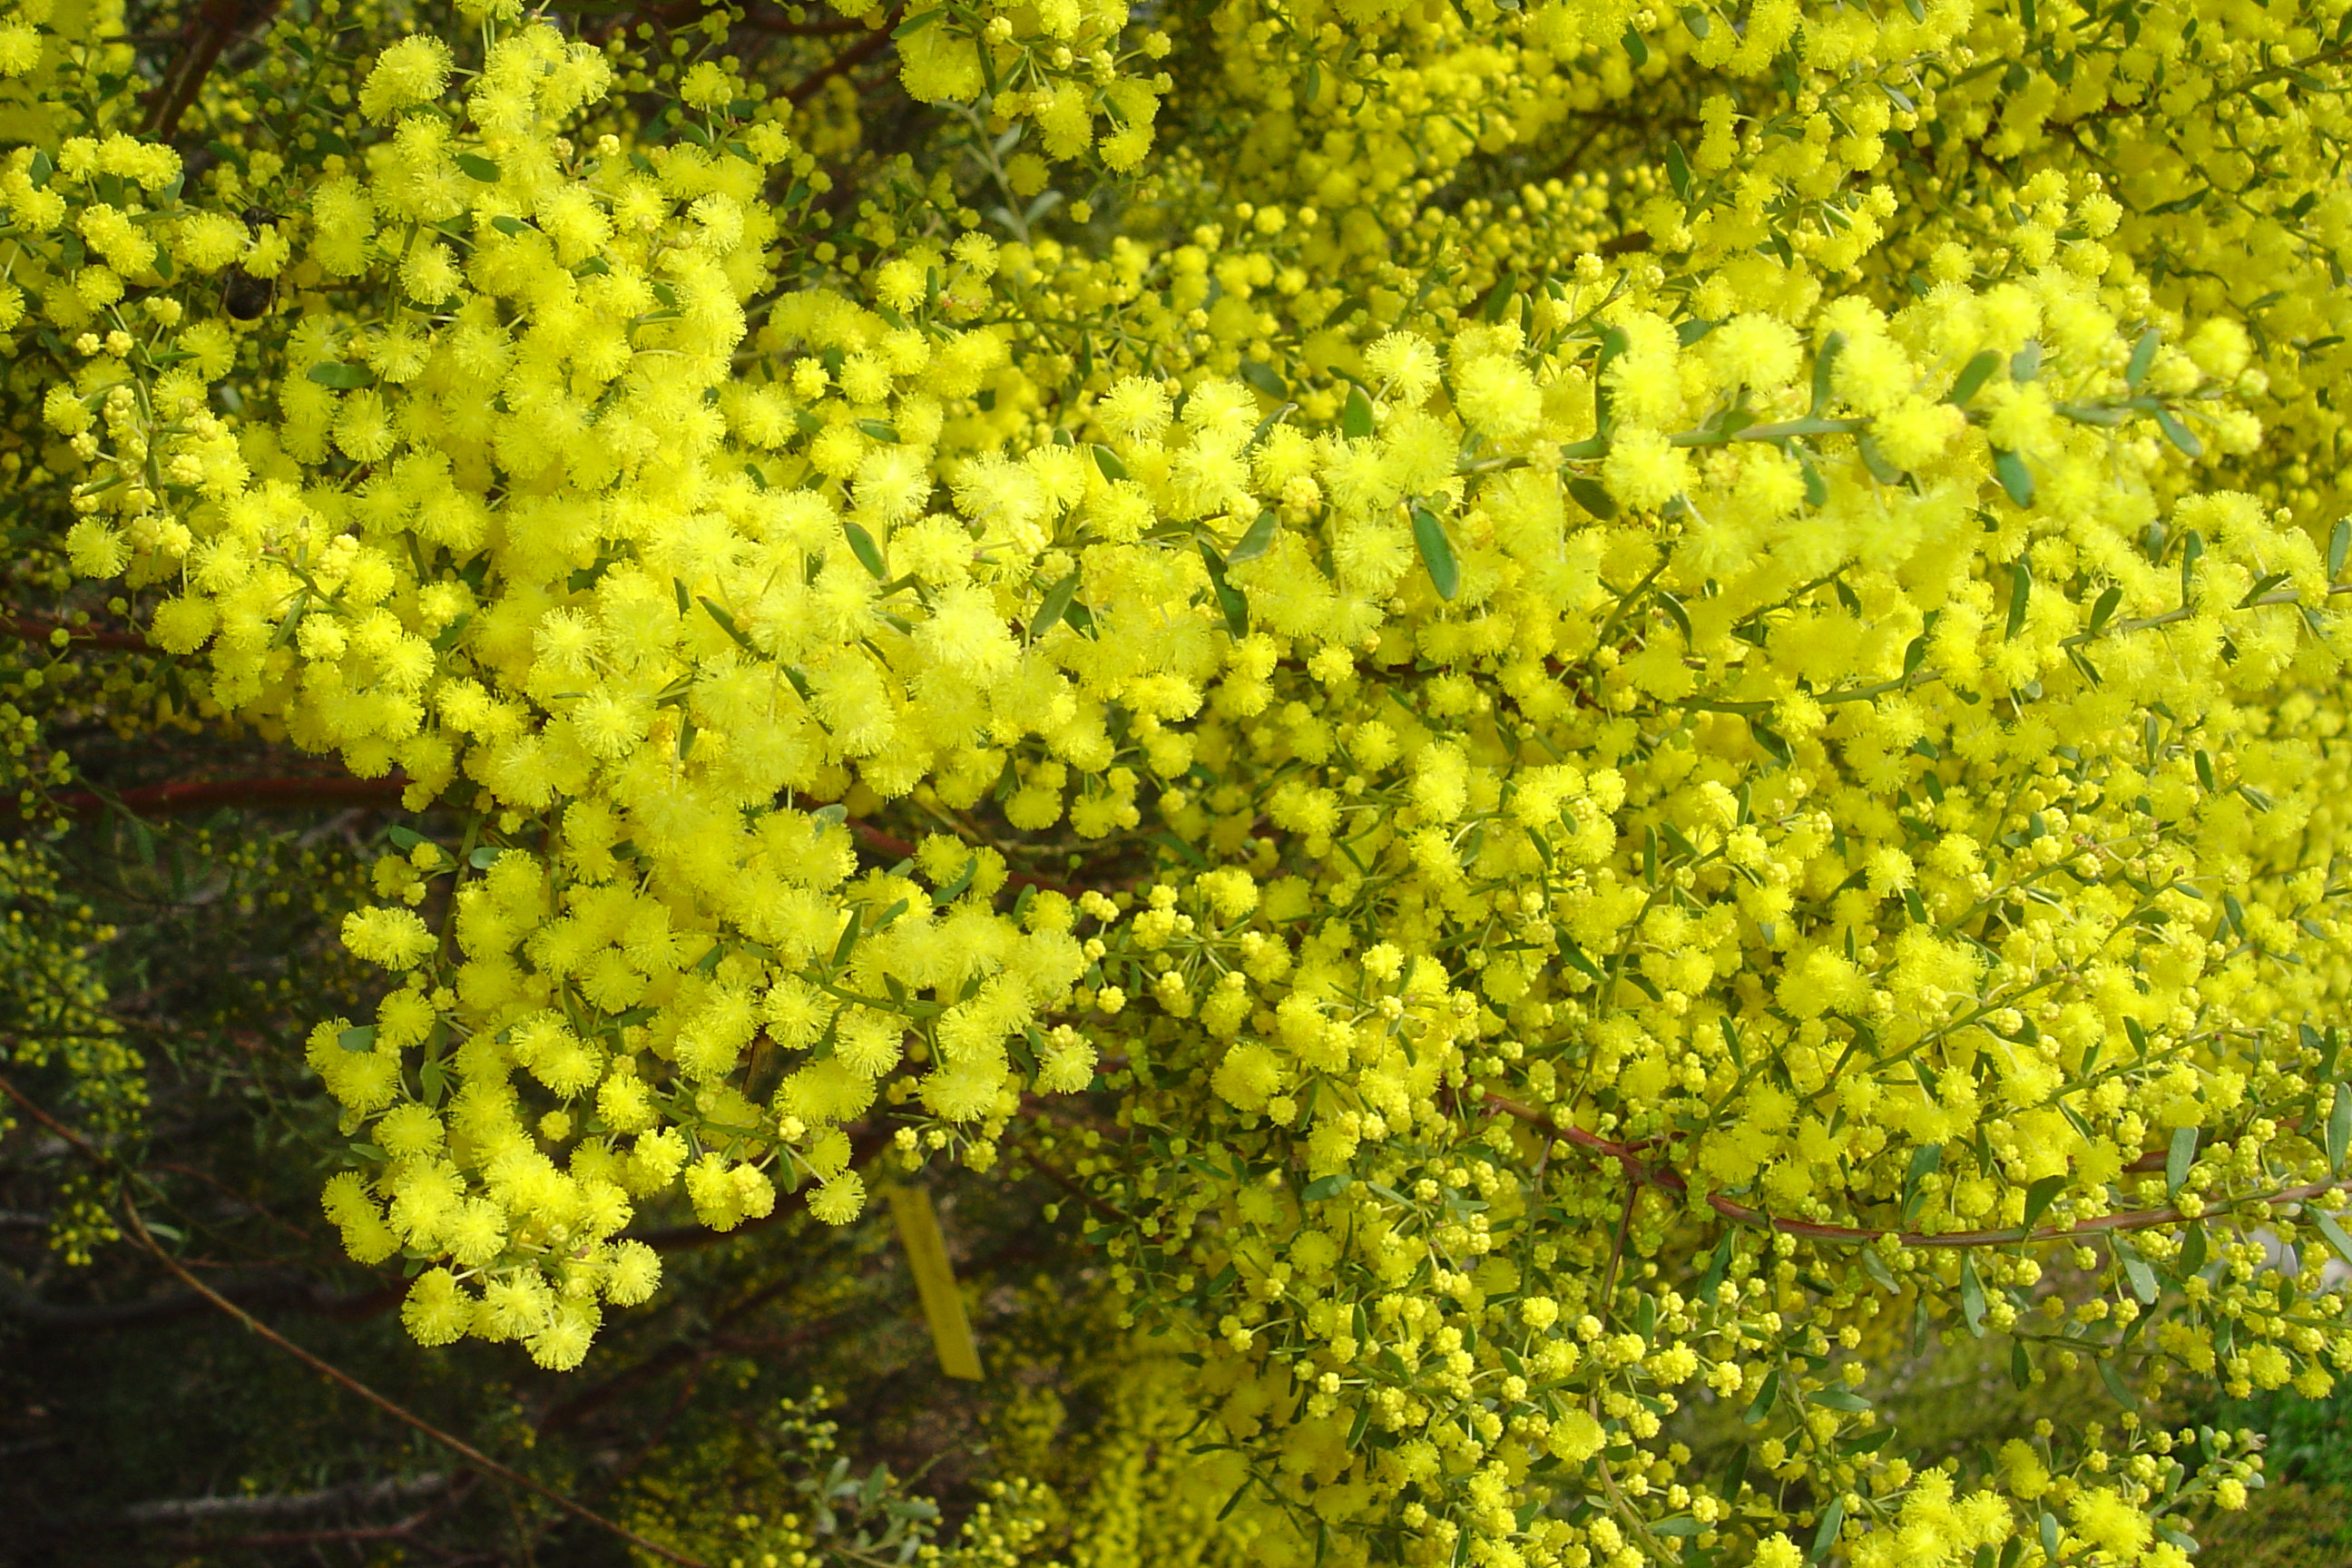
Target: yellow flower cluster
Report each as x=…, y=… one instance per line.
x=1580, y=701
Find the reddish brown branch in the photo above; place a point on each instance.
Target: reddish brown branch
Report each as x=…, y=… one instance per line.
x=248, y=795
x=31, y=630
x=803, y=29
x=278, y=1537
x=890, y=844
x=1648, y=1173
x=240, y=1507
x=112, y=1317
x=849, y=59
x=325, y=794
x=208, y=32
x=26, y=1104
x=675, y=18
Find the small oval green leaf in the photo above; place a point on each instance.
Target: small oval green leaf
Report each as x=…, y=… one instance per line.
x=1264, y=379
x=2014, y=477
x=1973, y=377
x=1768, y=1395
x=1257, y=541
x=1972, y=1296
x=1824, y=365
x=1826, y=1537
x=1436, y=553
x=2179, y=1159
x=2333, y=1230
x=342, y=377
x=1499, y=298
x=2104, y=608
x=2039, y=1196
x=2020, y=595
x=862, y=545
x=1053, y=606
x=1593, y=497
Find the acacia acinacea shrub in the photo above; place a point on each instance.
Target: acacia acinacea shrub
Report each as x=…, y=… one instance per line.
x=1584, y=711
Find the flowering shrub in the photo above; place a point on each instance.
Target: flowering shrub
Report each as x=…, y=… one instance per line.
x=1579, y=711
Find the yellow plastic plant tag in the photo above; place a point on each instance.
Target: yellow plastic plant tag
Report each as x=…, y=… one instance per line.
x=927, y=1253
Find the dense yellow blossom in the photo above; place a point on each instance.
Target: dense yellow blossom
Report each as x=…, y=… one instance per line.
x=1581, y=708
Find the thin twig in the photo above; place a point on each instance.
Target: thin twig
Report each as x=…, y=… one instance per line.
x=1617, y=1249
x=250, y=1204
x=1067, y=1182
x=326, y=1369
x=342, y=1379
